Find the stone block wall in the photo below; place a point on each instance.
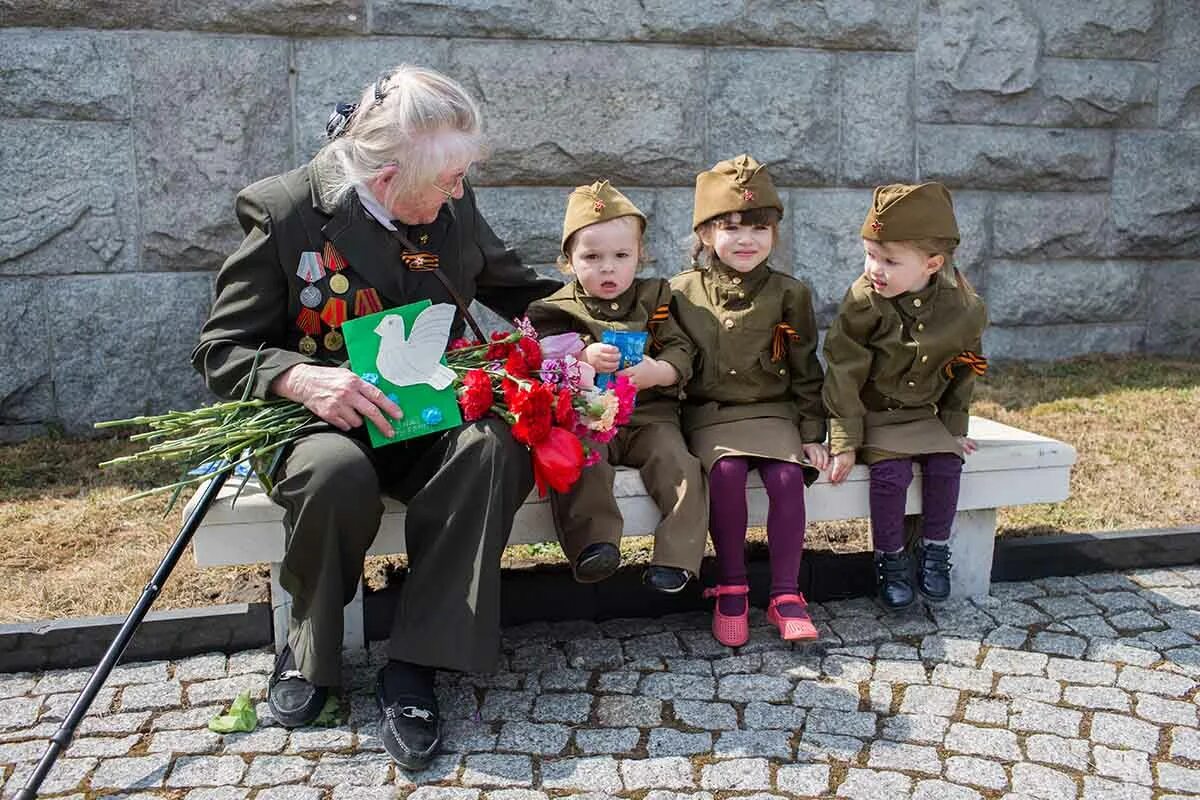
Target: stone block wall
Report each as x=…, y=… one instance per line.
x=1069, y=131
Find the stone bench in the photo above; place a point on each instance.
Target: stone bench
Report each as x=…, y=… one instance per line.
x=1012, y=467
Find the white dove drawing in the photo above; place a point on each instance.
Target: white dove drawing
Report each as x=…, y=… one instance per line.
x=416, y=359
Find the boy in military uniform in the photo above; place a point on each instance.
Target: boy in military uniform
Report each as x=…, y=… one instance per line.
x=754, y=400
x=902, y=357
x=602, y=246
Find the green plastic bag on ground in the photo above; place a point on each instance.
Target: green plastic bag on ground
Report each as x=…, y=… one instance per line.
x=240, y=717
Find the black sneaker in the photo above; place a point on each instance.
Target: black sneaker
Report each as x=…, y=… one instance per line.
x=409, y=728
x=893, y=577
x=293, y=699
x=933, y=571
x=597, y=562
x=668, y=580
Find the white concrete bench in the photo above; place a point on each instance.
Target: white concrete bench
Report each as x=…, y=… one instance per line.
x=1012, y=467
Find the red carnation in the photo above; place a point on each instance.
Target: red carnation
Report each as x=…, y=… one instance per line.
x=531, y=351
x=533, y=408
x=626, y=397
x=461, y=343
x=498, y=350
x=557, y=461
x=476, y=397
x=516, y=365
x=564, y=409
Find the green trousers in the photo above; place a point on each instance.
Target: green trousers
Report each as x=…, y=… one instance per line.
x=461, y=487
x=589, y=513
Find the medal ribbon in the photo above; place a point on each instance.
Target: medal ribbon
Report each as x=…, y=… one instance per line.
x=779, y=340
x=309, y=321
x=333, y=259
x=366, y=301
x=420, y=262
x=977, y=363
x=334, y=313
x=310, y=268
x=659, y=316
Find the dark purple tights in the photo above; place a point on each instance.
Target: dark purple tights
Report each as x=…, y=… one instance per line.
x=785, y=525
x=939, y=497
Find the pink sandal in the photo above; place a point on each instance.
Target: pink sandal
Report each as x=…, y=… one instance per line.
x=731, y=631
x=791, y=628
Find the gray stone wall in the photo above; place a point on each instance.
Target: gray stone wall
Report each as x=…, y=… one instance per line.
x=1069, y=131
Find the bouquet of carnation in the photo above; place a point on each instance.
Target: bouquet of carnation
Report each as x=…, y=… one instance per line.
x=541, y=388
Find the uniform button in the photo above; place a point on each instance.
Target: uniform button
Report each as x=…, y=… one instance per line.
x=920, y=326
x=912, y=383
x=783, y=372
x=924, y=359
x=614, y=306
x=917, y=302
x=728, y=323
x=733, y=372
x=737, y=281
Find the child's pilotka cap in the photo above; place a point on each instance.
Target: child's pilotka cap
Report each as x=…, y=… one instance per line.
x=599, y=202
x=903, y=212
x=739, y=184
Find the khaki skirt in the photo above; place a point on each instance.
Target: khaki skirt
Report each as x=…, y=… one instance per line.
x=905, y=432
x=760, y=437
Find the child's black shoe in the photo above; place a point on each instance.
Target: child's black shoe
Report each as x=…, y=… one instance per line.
x=893, y=577
x=668, y=580
x=933, y=571
x=597, y=562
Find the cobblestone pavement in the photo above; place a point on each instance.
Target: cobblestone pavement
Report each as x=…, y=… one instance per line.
x=1058, y=688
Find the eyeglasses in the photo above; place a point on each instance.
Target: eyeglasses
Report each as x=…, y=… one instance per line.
x=454, y=187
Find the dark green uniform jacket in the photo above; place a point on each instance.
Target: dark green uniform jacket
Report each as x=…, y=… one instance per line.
x=735, y=321
x=571, y=309
x=258, y=291
x=887, y=385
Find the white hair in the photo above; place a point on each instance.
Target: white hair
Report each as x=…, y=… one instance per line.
x=415, y=118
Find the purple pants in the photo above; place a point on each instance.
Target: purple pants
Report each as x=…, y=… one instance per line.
x=727, y=520
x=939, y=497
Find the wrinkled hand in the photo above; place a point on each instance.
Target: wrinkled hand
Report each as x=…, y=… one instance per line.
x=338, y=396
x=968, y=445
x=842, y=464
x=649, y=373
x=817, y=455
x=602, y=357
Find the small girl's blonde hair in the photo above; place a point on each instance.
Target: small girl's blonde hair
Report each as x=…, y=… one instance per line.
x=944, y=248
x=563, y=262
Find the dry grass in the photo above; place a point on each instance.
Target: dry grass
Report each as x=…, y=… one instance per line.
x=69, y=547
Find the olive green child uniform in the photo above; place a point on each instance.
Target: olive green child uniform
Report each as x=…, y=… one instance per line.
x=652, y=442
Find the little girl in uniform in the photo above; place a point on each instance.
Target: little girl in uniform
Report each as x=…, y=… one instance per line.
x=754, y=400
x=901, y=361
x=602, y=246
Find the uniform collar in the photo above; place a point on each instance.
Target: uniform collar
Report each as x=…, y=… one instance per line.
x=920, y=303
x=599, y=308
x=751, y=281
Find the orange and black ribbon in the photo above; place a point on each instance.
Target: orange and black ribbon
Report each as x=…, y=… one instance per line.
x=779, y=340
x=366, y=301
x=977, y=363
x=420, y=262
x=660, y=315
x=334, y=313
x=309, y=321
x=334, y=261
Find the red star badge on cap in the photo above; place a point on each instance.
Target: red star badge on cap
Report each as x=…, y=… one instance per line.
x=876, y=225
x=598, y=206
x=747, y=195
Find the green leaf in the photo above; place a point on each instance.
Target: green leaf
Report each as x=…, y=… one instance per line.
x=240, y=717
x=328, y=718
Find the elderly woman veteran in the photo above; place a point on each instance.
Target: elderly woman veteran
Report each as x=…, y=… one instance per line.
x=382, y=201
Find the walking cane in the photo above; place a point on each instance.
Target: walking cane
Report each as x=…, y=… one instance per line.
x=62, y=737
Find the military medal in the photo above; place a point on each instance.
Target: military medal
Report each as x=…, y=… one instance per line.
x=308, y=345
x=311, y=296
x=333, y=315
x=338, y=282
x=309, y=322
x=423, y=238
x=366, y=301
x=310, y=270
